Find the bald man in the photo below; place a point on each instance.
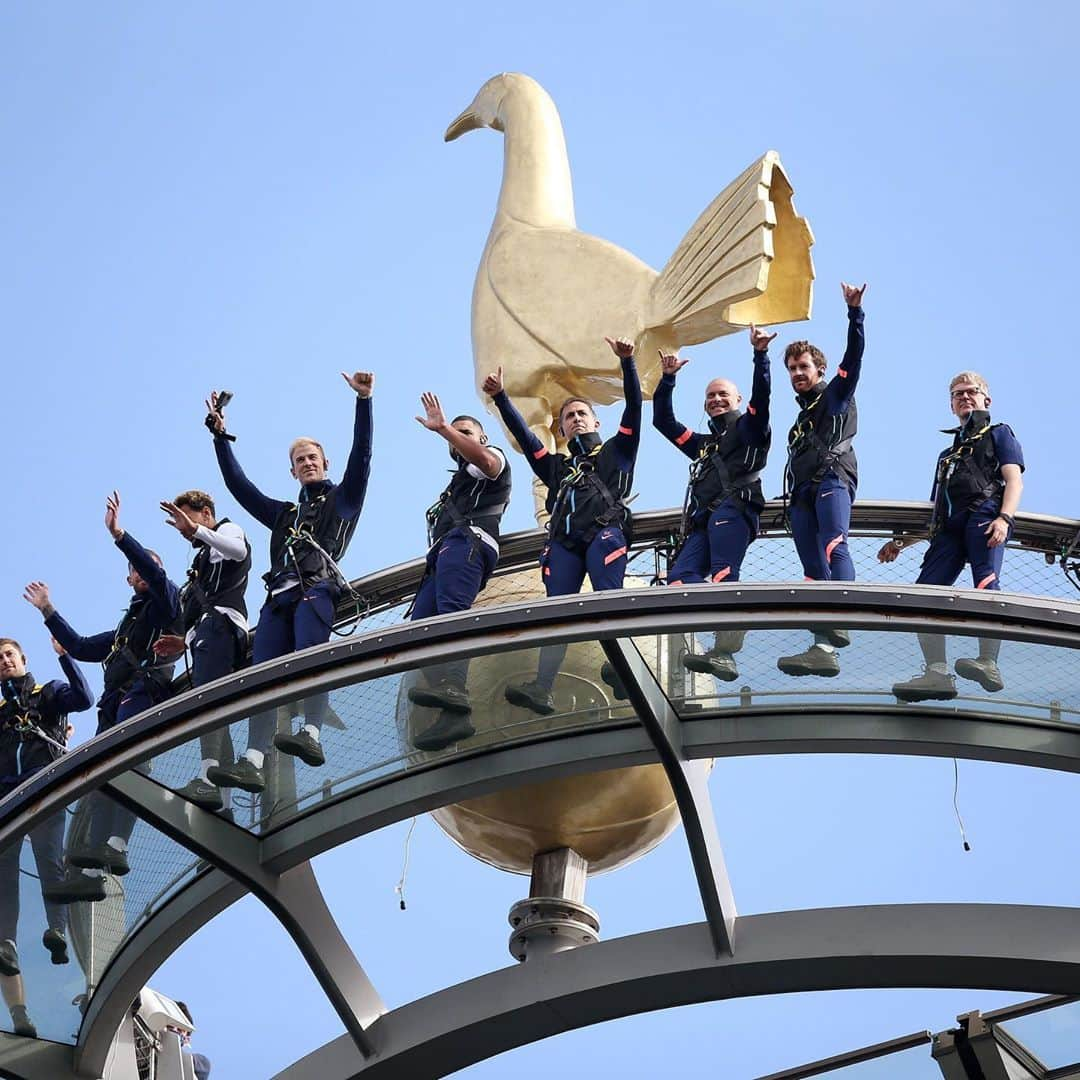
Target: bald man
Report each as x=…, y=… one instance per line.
x=723, y=497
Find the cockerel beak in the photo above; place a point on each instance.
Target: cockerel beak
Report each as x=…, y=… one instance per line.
x=467, y=121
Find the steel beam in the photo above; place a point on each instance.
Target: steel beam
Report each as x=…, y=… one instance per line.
x=293, y=897
x=971, y=946
x=689, y=783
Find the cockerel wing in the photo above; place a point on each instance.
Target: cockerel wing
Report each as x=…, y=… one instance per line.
x=569, y=290
x=746, y=259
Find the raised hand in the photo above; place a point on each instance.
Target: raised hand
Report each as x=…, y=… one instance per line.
x=363, y=382
x=112, y=515
x=37, y=593
x=169, y=645
x=671, y=365
x=621, y=348
x=759, y=339
x=215, y=419
x=435, y=418
x=493, y=384
x=179, y=520
x=853, y=294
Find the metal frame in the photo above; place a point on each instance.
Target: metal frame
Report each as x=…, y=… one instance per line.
x=274, y=866
x=973, y=946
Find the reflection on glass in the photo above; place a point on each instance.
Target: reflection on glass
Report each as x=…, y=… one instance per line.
x=382, y=726
x=739, y=670
x=64, y=923
x=1053, y=1035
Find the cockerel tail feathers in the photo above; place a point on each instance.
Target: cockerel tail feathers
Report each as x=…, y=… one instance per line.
x=746, y=259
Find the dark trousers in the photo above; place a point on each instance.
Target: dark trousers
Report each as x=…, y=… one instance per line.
x=457, y=569
x=564, y=570
x=217, y=650
x=820, y=519
x=47, y=843
x=109, y=818
x=715, y=547
x=290, y=621
x=962, y=541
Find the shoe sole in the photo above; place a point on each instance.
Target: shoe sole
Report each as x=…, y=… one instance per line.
x=303, y=755
x=244, y=785
x=524, y=702
x=975, y=674
x=911, y=697
x=431, y=699
x=466, y=731
x=69, y=898
x=799, y=670
x=9, y=969
x=701, y=666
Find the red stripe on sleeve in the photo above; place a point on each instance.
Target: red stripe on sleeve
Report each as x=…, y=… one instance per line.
x=683, y=437
x=542, y=452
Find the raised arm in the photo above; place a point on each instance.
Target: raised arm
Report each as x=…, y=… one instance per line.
x=540, y=461
x=755, y=420
x=663, y=417
x=353, y=486
x=162, y=589
x=261, y=507
x=75, y=694
x=627, y=438
x=842, y=386
x=93, y=649
x=475, y=452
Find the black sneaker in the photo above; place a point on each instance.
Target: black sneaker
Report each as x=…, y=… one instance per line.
x=813, y=661
x=611, y=677
x=21, y=1024
x=720, y=665
x=531, y=696
x=75, y=888
x=201, y=794
x=930, y=686
x=9, y=958
x=983, y=671
x=444, y=695
x=100, y=857
x=449, y=728
x=303, y=746
x=837, y=638
x=56, y=943
x=242, y=774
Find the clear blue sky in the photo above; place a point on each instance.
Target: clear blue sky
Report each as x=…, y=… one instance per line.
x=255, y=196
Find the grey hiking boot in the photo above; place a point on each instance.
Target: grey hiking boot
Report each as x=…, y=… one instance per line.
x=443, y=695
x=450, y=727
x=243, y=775
x=531, y=696
x=198, y=791
x=983, y=671
x=720, y=665
x=930, y=686
x=610, y=676
x=100, y=857
x=75, y=888
x=303, y=746
x=814, y=661
x=21, y=1024
x=56, y=943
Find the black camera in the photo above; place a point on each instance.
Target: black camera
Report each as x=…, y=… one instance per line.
x=220, y=399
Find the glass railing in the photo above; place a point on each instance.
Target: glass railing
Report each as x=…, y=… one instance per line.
x=86, y=914
x=1052, y=1035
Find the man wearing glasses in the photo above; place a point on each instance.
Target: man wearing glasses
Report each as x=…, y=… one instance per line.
x=977, y=486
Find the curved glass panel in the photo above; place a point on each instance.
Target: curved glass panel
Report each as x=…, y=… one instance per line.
x=373, y=729
x=782, y=669
x=1052, y=1035
x=41, y=893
